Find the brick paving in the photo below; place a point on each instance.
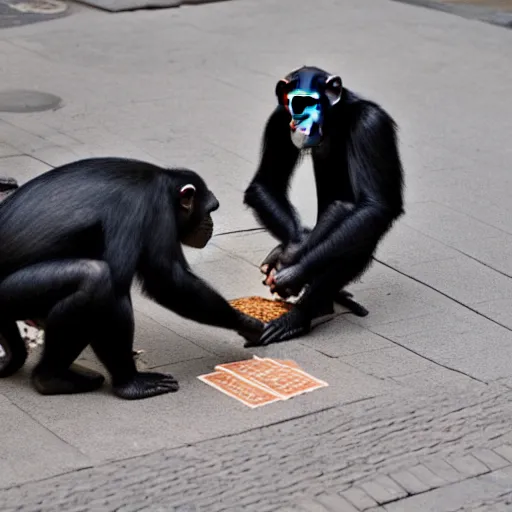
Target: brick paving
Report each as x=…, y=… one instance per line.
x=361, y=456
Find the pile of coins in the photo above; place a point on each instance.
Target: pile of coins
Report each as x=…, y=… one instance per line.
x=260, y=308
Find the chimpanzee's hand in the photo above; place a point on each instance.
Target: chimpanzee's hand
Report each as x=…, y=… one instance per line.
x=272, y=259
x=289, y=281
x=250, y=328
x=291, y=325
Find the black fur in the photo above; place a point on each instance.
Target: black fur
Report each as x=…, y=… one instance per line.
x=359, y=179
x=71, y=242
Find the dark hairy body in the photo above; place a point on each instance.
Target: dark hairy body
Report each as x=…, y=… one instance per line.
x=71, y=243
x=359, y=181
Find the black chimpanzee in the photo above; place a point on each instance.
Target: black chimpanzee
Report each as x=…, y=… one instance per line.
x=359, y=181
x=71, y=242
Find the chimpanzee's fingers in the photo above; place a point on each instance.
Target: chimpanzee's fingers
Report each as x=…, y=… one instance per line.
x=272, y=334
x=272, y=258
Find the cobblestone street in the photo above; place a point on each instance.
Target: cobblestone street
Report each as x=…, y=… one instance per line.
x=403, y=451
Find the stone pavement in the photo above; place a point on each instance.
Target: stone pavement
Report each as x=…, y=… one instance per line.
x=437, y=452
x=422, y=382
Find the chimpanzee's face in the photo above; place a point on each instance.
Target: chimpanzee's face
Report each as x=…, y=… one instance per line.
x=307, y=93
x=307, y=117
x=196, y=203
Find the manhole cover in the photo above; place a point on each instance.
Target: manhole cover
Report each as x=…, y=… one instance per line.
x=38, y=6
x=14, y=13
x=22, y=101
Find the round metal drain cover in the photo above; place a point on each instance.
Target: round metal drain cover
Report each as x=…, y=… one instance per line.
x=38, y=6
x=14, y=13
x=22, y=101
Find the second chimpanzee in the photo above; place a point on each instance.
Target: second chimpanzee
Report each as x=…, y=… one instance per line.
x=71, y=242
x=359, y=181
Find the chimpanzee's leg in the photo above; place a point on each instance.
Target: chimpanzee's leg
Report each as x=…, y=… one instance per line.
x=317, y=301
x=114, y=348
x=69, y=294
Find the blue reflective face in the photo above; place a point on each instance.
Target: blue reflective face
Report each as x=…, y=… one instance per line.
x=307, y=117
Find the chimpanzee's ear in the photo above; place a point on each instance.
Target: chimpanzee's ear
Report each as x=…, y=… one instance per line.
x=187, y=197
x=333, y=89
x=281, y=90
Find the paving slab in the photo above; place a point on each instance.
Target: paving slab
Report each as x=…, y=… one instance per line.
x=389, y=362
x=22, y=168
x=454, y=318
x=402, y=299
x=7, y=150
x=341, y=337
x=490, y=458
x=480, y=354
x=161, y=345
x=463, y=279
x=436, y=377
x=405, y=245
x=359, y=498
x=30, y=450
x=383, y=489
x=498, y=310
x=410, y=482
x=446, y=498
x=446, y=225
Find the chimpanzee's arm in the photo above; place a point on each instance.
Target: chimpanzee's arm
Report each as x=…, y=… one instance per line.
x=376, y=170
x=179, y=290
x=267, y=192
x=329, y=221
x=168, y=280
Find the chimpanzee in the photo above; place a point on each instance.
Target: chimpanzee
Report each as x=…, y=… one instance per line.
x=359, y=181
x=71, y=242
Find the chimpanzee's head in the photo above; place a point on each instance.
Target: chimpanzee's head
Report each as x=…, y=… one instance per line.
x=196, y=203
x=307, y=93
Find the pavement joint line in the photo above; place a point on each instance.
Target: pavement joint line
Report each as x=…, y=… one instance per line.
x=448, y=207
x=441, y=365
x=497, y=270
x=431, y=287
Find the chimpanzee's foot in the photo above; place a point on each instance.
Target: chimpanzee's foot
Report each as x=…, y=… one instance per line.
x=323, y=312
x=146, y=385
x=344, y=298
x=70, y=381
